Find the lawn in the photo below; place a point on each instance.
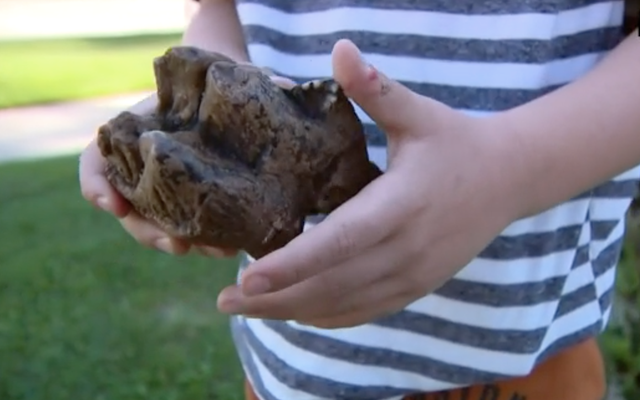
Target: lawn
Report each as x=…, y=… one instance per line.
x=86, y=313
x=66, y=69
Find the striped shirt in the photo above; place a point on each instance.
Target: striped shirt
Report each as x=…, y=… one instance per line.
x=544, y=284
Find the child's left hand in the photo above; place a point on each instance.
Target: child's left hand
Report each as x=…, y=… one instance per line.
x=447, y=193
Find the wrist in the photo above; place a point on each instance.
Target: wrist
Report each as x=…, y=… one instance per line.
x=574, y=138
x=538, y=161
x=509, y=168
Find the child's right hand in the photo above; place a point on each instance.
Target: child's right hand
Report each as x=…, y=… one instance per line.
x=97, y=190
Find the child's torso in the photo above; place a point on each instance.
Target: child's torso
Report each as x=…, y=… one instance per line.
x=544, y=284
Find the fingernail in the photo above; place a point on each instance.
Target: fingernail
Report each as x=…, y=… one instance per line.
x=164, y=244
x=103, y=203
x=255, y=285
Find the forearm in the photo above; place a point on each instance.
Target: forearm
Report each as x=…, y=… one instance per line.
x=572, y=139
x=216, y=27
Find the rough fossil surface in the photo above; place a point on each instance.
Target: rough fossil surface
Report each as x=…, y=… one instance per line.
x=229, y=159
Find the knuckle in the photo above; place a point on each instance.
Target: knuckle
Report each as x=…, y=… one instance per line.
x=345, y=241
x=85, y=188
x=87, y=193
x=90, y=175
x=332, y=284
x=294, y=275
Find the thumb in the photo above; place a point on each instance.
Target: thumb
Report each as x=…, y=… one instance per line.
x=391, y=105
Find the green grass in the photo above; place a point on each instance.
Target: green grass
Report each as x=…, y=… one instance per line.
x=86, y=313
x=42, y=71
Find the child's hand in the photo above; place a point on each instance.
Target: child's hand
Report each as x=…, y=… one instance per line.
x=446, y=194
x=97, y=190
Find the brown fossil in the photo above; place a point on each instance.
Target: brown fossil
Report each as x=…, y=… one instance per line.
x=229, y=159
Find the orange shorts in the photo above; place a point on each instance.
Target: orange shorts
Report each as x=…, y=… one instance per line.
x=575, y=374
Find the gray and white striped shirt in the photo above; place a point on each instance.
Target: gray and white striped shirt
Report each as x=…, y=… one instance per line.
x=544, y=284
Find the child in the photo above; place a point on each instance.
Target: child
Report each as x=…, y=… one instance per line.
x=519, y=321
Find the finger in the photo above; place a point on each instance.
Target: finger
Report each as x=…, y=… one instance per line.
x=148, y=234
x=359, y=224
x=390, y=104
x=303, y=302
x=283, y=82
x=372, y=302
x=307, y=298
x=94, y=186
